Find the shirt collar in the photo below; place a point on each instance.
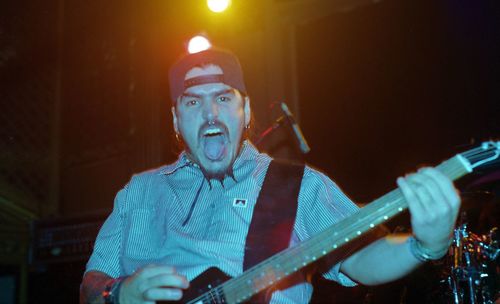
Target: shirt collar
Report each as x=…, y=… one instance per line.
x=182, y=161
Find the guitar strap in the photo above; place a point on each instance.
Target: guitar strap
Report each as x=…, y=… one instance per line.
x=274, y=213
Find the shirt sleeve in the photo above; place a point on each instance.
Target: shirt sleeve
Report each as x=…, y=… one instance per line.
x=322, y=204
x=106, y=254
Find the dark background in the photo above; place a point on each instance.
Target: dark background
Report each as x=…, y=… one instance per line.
x=381, y=89
x=392, y=86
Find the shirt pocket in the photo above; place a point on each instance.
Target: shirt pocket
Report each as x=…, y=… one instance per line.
x=145, y=234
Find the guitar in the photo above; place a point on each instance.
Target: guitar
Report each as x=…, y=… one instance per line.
x=347, y=231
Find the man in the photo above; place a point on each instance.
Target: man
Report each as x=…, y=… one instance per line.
x=173, y=223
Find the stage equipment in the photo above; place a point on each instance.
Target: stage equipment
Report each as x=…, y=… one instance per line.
x=288, y=116
x=59, y=251
x=218, y=6
x=65, y=239
x=473, y=261
x=198, y=43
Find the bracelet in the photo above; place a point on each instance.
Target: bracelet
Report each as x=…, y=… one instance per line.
x=111, y=293
x=422, y=254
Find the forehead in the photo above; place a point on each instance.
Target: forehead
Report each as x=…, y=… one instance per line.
x=208, y=89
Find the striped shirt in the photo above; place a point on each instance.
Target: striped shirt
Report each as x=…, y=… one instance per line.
x=173, y=216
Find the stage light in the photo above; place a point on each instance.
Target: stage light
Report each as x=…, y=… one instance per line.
x=218, y=6
x=198, y=43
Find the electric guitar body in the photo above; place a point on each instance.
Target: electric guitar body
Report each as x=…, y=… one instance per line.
x=206, y=283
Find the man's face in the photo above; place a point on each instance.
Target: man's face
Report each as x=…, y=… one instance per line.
x=211, y=119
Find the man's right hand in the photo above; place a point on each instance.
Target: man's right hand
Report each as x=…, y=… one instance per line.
x=153, y=283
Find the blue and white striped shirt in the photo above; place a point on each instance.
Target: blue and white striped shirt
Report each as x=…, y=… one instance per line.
x=172, y=216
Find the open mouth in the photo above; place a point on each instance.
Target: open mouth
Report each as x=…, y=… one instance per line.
x=213, y=132
x=214, y=141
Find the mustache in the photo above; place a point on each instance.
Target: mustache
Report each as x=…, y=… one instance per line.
x=212, y=124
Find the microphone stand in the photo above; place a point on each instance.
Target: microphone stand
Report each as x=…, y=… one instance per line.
x=277, y=123
x=288, y=117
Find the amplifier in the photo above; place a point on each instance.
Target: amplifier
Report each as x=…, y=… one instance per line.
x=65, y=239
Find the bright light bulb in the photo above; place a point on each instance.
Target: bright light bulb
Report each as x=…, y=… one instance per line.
x=218, y=6
x=198, y=44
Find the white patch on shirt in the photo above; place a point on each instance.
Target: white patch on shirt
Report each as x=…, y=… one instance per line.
x=240, y=202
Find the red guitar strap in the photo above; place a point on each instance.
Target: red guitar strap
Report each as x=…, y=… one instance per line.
x=274, y=213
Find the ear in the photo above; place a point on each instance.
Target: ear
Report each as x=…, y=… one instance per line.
x=174, y=120
x=247, y=111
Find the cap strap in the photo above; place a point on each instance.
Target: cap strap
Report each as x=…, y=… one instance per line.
x=214, y=78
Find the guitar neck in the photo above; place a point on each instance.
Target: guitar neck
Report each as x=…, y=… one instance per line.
x=283, y=264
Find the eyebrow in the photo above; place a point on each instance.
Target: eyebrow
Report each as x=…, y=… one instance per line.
x=216, y=93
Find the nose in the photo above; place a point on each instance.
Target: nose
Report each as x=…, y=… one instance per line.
x=210, y=110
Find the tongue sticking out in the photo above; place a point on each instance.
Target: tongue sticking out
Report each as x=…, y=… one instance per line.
x=214, y=147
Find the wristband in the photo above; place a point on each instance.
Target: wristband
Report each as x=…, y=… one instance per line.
x=423, y=254
x=111, y=292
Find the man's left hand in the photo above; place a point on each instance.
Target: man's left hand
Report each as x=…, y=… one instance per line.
x=434, y=204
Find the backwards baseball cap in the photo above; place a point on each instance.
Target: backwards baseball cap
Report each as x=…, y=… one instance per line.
x=227, y=61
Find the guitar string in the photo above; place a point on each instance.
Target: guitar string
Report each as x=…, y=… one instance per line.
x=480, y=155
x=478, y=152
x=481, y=149
x=233, y=284
x=478, y=159
x=473, y=151
x=212, y=297
x=492, y=147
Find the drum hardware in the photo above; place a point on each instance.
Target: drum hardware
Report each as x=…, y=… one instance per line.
x=472, y=276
